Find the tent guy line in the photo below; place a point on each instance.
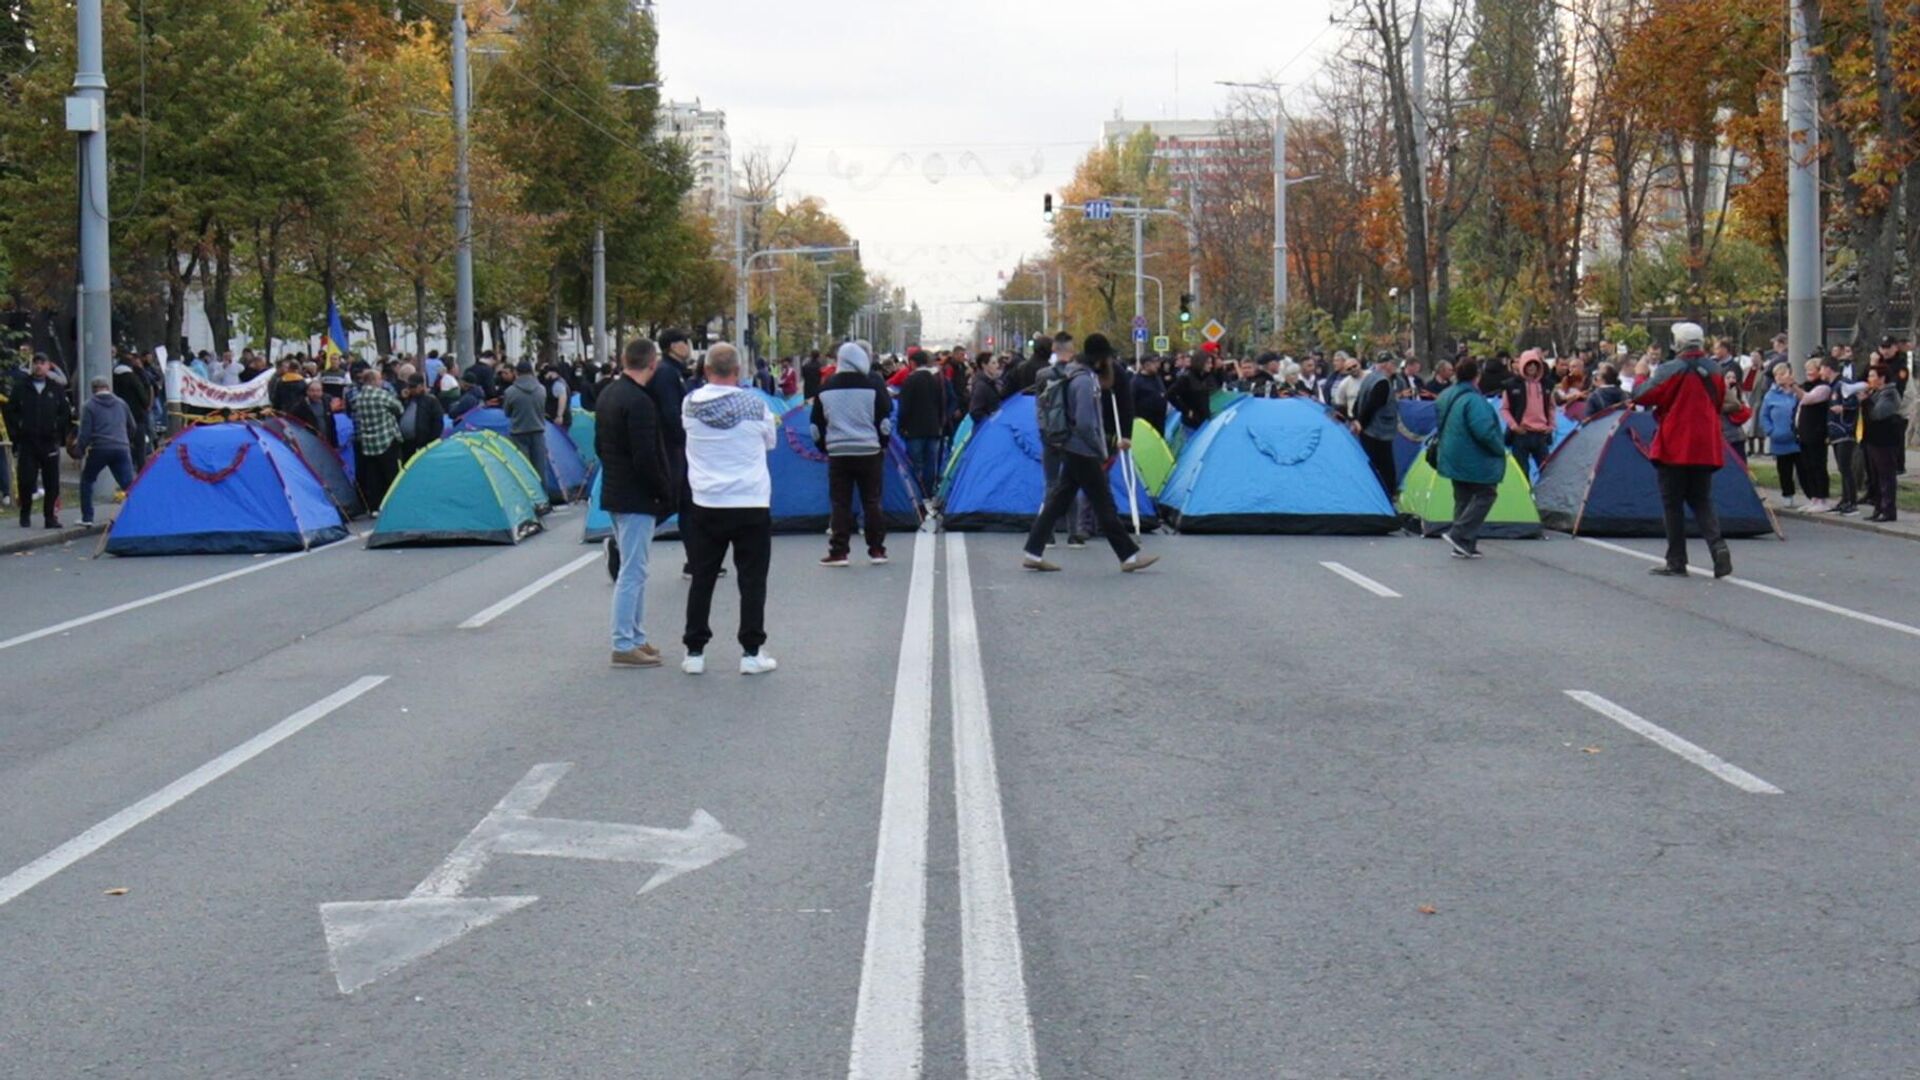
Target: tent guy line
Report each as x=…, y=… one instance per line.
x=111, y=829
x=156, y=598
x=1769, y=590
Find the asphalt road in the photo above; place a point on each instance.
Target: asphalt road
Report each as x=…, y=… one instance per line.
x=1539, y=815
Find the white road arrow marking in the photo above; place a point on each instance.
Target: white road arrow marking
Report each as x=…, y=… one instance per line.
x=367, y=940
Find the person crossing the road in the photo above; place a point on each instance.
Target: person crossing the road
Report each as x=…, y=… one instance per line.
x=636, y=489
x=1472, y=452
x=1069, y=407
x=729, y=432
x=1685, y=394
x=108, y=432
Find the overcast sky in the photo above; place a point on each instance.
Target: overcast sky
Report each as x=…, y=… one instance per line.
x=933, y=129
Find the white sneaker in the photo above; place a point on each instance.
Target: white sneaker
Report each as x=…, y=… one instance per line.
x=1789, y=503
x=1814, y=506
x=757, y=664
x=694, y=664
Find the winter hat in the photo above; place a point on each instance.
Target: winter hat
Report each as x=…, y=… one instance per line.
x=1688, y=335
x=851, y=355
x=1097, y=347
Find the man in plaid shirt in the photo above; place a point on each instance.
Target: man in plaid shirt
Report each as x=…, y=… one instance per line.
x=376, y=437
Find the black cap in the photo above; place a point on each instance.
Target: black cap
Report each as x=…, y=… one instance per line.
x=1889, y=341
x=1097, y=347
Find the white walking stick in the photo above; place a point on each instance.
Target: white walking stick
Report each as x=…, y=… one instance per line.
x=1126, y=471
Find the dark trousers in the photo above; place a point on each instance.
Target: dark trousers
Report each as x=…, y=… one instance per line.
x=376, y=473
x=1814, y=479
x=924, y=456
x=1786, y=464
x=37, y=468
x=115, y=460
x=534, y=445
x=866, y=472
x=1530, y=447
x=1471, y=505
x=1883, y=480
x=1846, y=458
x=1081, y=475
x=1683, y=488
x=1050, y=463
x=708, y=533
x=1380, y=456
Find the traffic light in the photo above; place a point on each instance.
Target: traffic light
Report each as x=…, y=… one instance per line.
x=1046, y=208
x=1186, y=308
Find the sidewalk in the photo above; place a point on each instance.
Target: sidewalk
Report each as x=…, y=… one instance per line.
x=15, y=540
x=1905, y=528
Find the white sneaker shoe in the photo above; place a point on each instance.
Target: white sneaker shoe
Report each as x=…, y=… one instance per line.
x=1814, y=506
x=1789, y=503
x=757, y=664
x=694, y=664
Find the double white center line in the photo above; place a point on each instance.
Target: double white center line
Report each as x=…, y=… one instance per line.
x=888, y=1030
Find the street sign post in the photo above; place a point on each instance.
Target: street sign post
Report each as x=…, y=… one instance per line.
x=1213, y=330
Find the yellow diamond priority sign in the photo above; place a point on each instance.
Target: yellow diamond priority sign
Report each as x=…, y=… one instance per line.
x=1213, y=330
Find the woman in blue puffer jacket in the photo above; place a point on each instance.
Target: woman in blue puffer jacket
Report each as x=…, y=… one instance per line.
x=1776, y=423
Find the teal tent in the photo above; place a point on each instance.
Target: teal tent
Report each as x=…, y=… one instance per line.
x=459, y=490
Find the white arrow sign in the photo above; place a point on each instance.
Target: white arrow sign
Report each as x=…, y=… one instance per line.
x=369, y=939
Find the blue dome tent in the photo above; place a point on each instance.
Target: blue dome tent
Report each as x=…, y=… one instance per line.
x=225, y=489
x=1601, y=483
x=998, y=483
x=1276, y=465
x=566, y=477
x=799, y=469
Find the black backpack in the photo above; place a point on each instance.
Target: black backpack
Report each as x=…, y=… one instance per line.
x=1056, y=425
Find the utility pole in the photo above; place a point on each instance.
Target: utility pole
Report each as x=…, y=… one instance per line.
x=1280, y=185
x=1804, y=270
x=831, y=278
x=87, y=116
x=600, y=293
x=463, y=348
x=1139, y=286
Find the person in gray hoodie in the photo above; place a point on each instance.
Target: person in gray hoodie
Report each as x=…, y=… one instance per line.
x=524, y=401
x=1083, y=460
x=108, y=432
x=852, y=422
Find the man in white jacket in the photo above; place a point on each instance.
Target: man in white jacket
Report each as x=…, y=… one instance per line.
x=729, y=432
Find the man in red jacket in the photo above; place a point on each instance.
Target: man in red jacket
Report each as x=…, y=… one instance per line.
x=1686, y=394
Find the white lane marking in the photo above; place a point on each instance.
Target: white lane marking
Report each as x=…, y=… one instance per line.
x=887, y=1036
x=527, y=592
x=119, y=824
x=1361, y=580
x=1769, y=590
x=998, y=1024
x=134, y=605
x=1706, y=759
x=470, y=855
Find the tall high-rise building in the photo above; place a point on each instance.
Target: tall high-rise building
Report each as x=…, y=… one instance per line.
x=1192, y=149
x=704, y=133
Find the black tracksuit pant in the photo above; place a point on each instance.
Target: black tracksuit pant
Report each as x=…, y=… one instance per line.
x=866, y=472
x=708, y=532
x=1081, y=475
x=38, y=467
x=1683, y=488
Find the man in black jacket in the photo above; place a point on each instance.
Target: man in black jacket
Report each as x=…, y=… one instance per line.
x=923, y=399
x=668, y=388
x=1150, y=394
x=314, y=412
x=636, y=489
x=40, y=418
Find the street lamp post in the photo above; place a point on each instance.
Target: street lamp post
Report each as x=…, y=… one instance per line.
x=746, y=268
x=463, y=346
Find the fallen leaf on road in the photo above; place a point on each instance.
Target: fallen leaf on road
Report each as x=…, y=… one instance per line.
x=1429, y=909
x=116, y=892
x=1589, y=749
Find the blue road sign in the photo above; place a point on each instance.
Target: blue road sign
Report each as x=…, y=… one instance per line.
x=1099, y=210
x=1139, y=333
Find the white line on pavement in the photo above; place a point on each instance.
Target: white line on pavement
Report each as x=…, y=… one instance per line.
x=1713, y=763
x=1769, y=590
x=133, y=605
x=1361, y=580
x=887, y=1037
x=114, y=827
x=999, y=1026
x=527, y=593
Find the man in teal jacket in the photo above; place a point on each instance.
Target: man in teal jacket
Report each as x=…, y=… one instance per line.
x=1472, y=452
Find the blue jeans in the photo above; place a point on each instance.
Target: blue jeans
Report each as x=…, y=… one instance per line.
x=634, y=535
x=924, y=456
x=117, y=461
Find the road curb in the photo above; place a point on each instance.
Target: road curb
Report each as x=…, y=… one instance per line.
x=1857, y=524
x=44, y=539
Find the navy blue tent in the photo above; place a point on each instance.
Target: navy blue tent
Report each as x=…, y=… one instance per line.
x=566, y=477
x=1417, y=421
x=799, y=470
x=1276, y=465
x=322, y=459
x=1601, y=483
x=225, y=489
x=998, y=482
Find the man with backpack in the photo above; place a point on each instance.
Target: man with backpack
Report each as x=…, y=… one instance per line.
x=1068, y=406
x=1686, y=395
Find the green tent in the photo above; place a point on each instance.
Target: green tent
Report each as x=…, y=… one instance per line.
x=581, y=432
x=962, y=434
x=460, y=490
x=1428, y=496
x=509, y=452
x=1151, y=456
